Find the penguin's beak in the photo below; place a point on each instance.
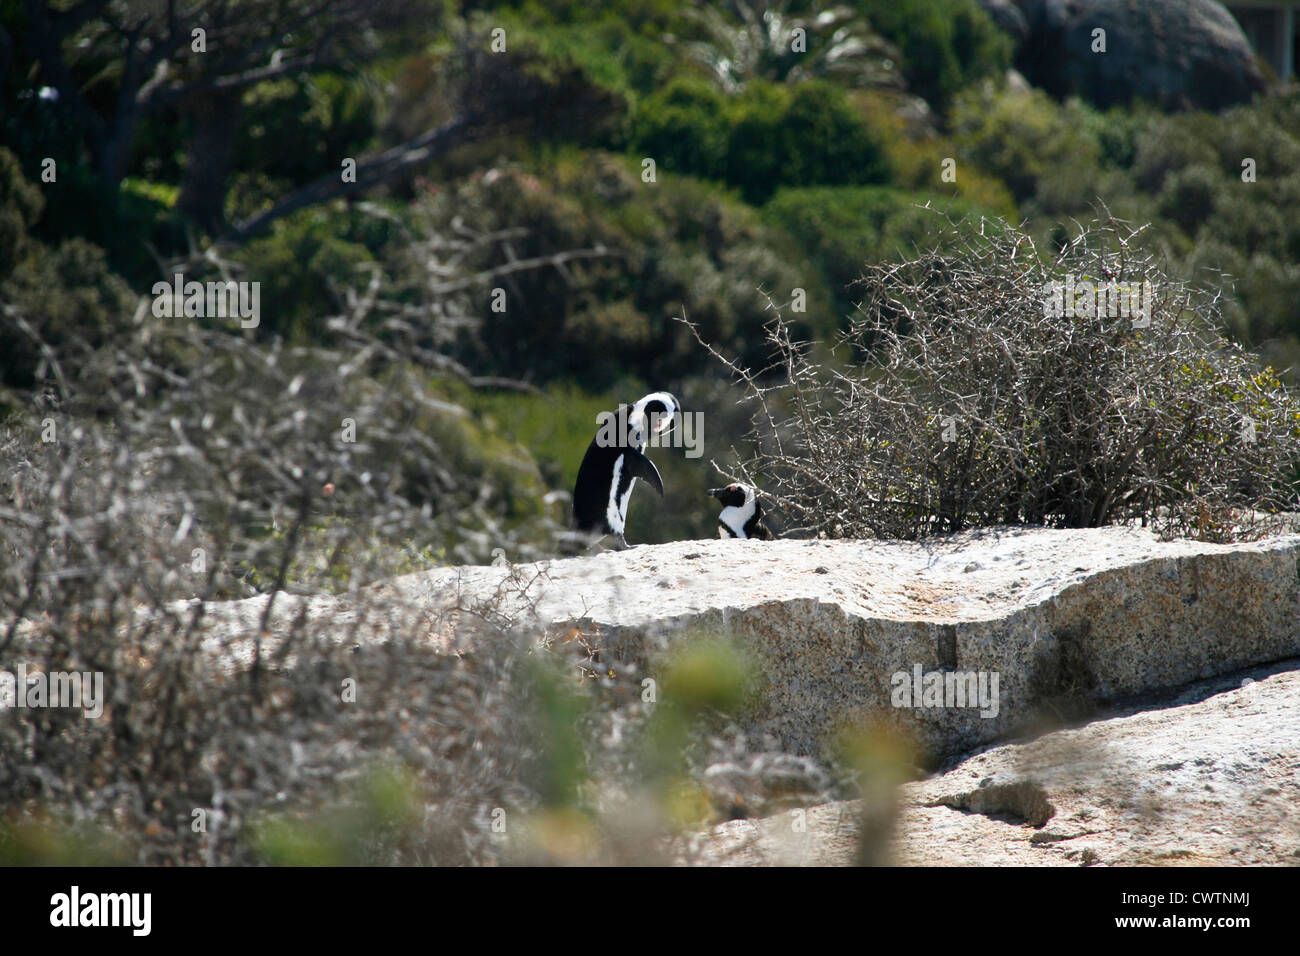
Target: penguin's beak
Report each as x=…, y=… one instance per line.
x=716, y=492
x=665, y=424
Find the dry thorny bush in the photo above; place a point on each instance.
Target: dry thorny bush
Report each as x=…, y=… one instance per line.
x=187, y=465
x=955, y=400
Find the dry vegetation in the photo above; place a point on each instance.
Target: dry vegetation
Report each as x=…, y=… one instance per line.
x=956, y=400
x=322, y=720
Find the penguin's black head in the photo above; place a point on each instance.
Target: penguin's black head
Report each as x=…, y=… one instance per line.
x=658, y=411
x=733, y=495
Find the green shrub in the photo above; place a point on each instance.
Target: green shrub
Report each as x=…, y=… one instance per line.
x=305, y=261
x=1026, y=139
x=1170, y=145
x=684, y=129
x=946, y=44
x=917, y=156
x=21, y=204
x=766, y=137
x=806, y=136
x=66, y=298
x=1189, y=196
x=842, y=228
x=673, y=244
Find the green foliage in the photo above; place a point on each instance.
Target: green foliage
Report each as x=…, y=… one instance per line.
x=325, y=116
x=841, y=228
x=708, y=678
x=1116, y=131
x=1194, y=164
x=1031, y=143
x=67, y=296
x=775, y=40
x=559, y=706
x=684, y=128
x=1165, y=147
x=946, y=44
x=674, y=244
x=381, y=813
x=21, y=204
x=766, y=137
x=613, y=54
x=918, y=157
x=41, y=840
x=805, y=137
x=645, y=18
x=1188, y=196
x=304, y=263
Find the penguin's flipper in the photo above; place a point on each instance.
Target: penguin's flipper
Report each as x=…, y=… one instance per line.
x=639, y=466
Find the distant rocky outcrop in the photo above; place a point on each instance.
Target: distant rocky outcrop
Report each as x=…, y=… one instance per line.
x=1178, y=54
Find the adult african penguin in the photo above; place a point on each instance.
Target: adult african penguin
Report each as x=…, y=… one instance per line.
x=742, y=514
x=615, y=459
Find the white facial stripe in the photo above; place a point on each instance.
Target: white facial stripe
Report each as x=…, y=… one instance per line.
x=638, y=417
x=663, y=397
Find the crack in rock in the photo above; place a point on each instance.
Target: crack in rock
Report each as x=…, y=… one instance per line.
x=1024, y=799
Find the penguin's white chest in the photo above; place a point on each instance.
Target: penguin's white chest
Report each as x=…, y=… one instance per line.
x=616, y=510
x=736, y=517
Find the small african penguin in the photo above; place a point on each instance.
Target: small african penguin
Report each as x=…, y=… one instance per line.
x=615, y=459
x=742, y=515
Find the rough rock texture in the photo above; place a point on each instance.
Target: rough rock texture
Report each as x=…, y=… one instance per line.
x=1210, y=777
x=1180, y=54
x=1008, y=17
x=1064, y=618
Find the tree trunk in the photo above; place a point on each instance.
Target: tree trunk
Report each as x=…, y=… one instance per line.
x=208, y=158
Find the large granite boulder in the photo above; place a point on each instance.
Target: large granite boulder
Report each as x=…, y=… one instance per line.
x=1179, y=54
x=844, y=631
x=1210, y=777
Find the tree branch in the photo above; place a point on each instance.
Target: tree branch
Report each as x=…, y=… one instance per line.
x=370, y=173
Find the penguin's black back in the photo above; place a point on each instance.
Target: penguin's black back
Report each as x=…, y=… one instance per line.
x=754, y=527
x=591, y=491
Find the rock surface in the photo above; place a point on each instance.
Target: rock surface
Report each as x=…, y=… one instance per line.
x=1179, y=54
x=1209, y=777
x=1062, y=618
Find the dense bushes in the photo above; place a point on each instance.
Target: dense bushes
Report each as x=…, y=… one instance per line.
x=843, y=228
x=946, y=44
x=656, y=248
x=1026, y=139
x=65, y=296
x=766, y=137
x=978, y=404
x=1195, y=164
